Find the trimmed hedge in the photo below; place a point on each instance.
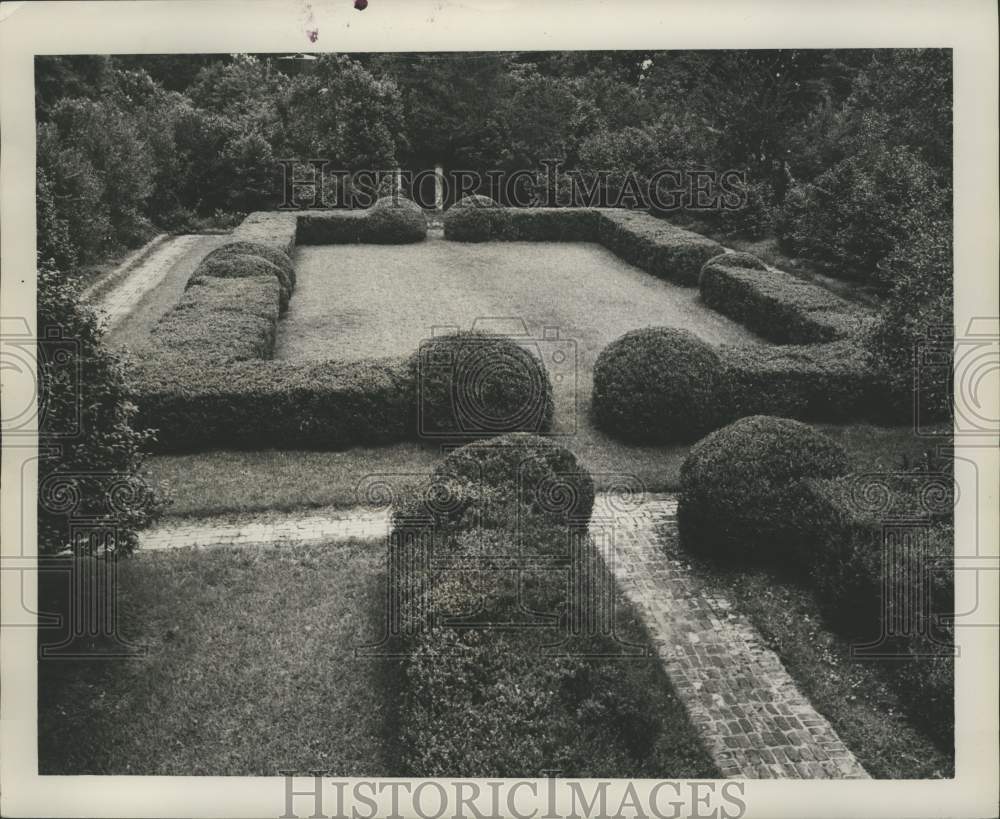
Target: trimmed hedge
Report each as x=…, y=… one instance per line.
x=330, y=227
x=276, y=257
x=472, y=384
x=814, y=382
x=736, y=488
x=390, y=220
x=273, y=229
x=262, y=404
x=394, y=221
x=239, y=267
x=775, y=304
x=497, y=701
x=475, y=219
x=217, y=321
x=514, y=480
x=657, y=385
x=550, y=225
x=850, y=564
x=657, y=247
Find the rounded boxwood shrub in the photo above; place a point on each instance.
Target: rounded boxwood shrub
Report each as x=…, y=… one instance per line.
x=394, y=220
x=475, y=385
x=239, y=267
x=739, y=488
x=731, y=261
x=656, y=385
x=271, y=254
x=532, y=475
x=475, y=219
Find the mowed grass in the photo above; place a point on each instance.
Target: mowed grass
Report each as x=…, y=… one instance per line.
x=224, y=481
x=251, y=668
x=357, y=301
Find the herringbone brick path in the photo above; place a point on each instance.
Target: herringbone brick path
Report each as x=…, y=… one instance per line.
x=755, y=722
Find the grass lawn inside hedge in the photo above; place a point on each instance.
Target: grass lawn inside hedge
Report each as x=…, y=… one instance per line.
x=251, y=668
x=360, y=301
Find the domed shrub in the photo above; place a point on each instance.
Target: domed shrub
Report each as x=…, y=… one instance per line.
x=538, y=475
x=729, y=261
x=656, y=385
x=239, y=267
x=741, y=488
x=475, y=219
x=475, y=385
x=393, y=220
x=519, y=483
x=271, y=254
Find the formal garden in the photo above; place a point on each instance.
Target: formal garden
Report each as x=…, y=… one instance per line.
x=632, y=468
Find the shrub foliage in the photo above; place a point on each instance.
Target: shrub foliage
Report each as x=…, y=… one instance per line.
x=736, y=498
x=483, y=700
x=87, y=426
x=475, y=219
x=394, y=220
x=656, y=385
x=473, y=384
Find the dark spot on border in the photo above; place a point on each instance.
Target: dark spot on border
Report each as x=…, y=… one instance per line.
x=360, y=5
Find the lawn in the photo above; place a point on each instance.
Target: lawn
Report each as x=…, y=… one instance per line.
x=251, y=668
x=357, y=301
x=225, y=481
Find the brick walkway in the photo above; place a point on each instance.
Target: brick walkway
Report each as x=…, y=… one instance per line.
x=755, y=722
x=147, y=274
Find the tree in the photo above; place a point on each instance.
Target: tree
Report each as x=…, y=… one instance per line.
x=91, y=453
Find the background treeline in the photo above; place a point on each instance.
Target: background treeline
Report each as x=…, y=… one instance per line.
x=847, y=153
x=844, y=150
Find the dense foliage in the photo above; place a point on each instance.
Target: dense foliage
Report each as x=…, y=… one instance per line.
x=824, y=138
x=508, y=481
x=91, y=468
x=394, y=220
x=504, y=695
x=474, y=385
x=475, y=219
x=656, y=385
x=774, y=492
x=736, y=497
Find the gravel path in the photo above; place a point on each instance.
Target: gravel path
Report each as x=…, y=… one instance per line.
x=154, y=287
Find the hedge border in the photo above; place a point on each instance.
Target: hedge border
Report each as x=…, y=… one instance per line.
x=195, y=347
x=777, y=305
x=651, y=244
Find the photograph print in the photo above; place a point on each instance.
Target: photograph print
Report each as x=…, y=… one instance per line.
x=496, y=414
